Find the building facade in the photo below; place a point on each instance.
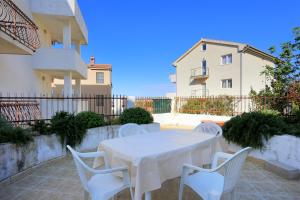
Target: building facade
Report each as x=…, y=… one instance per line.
x=214, y=67
x=97, y=83
x=47, y=47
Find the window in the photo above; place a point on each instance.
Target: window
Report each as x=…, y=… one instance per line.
x=226, y=59
x=227, y=83
x=99, y=100
x=203, y=63
x=100, y=77
x=203, y=67
x=203, y=47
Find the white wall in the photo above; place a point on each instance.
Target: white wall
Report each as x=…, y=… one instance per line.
x=284, y=148
x=180, y=119
x=14, y=159
x=217, y=72
x=18, y=77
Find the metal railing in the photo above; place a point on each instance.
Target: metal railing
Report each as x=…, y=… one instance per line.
x=15, y=23
x=232, y=105
x=199, y=72
x=154, y=104
x=22, y=110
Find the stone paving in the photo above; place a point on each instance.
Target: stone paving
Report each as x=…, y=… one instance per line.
x=58, y=180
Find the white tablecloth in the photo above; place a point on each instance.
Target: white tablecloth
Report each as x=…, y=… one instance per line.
x=155, y=157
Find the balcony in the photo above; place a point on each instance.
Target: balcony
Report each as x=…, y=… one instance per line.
x=18, y=33
x=53, y=14
x=58, y=61
x=199, y=73
x=172, y=78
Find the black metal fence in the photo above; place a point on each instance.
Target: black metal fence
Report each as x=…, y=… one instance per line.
x=24, y=109
x=154, y=104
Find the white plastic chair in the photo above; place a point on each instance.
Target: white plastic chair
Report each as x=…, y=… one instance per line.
x=211, y=184
x=210, y=128
x=103, y=184
x=130, y=129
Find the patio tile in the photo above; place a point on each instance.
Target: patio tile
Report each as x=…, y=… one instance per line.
x=59, y=180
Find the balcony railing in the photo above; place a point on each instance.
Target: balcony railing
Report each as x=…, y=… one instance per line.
x=17, y=25
x=199, y=73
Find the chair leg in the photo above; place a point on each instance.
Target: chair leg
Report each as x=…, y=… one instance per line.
x=131, y=193
x=181, y=187
x=86, y=195
x=233, y=194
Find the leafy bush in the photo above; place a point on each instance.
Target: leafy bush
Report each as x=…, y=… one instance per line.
x=252, y=129
x=68, y=128
x=222, y=105
x=136, y=115
x=9, y=134
x=90, y=119
x=42, y=127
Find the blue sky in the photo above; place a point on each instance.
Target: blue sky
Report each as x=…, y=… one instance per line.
x=141, y=38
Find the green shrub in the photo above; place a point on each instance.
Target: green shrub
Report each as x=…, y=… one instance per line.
x=68, y=128
x=252, y=129
x=222, y=105
x=136, y=115
x=90, y=119
x=41, y=127
x=10, y=134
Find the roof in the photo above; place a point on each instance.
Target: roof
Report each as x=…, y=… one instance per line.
x=100, y=66
x=242, y=47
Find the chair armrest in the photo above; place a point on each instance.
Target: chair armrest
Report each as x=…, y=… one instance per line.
x=94, y=155
x=218, y=156
x=91, y=154
x=108, y=171
x=189, y=167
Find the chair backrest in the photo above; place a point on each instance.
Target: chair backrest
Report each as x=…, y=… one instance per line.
x=209, y=127
x=79, y=166
x=130, y=129
x=232, y=168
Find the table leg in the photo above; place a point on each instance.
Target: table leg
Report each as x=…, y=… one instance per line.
x=147, y=195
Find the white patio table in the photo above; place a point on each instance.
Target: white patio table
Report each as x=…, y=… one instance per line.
x=155, y=157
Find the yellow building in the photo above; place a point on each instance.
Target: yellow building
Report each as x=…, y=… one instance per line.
x=98, y=82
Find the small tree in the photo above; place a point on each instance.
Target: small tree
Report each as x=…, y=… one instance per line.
x=285, y=72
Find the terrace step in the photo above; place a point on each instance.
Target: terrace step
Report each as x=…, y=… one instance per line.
x=281, y=169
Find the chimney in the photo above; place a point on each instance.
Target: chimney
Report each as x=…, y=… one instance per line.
x=92, y=60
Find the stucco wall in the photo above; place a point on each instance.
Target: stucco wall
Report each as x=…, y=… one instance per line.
x=284, y=148
x=252, y=67
x=180, y=119
x=217, y=72
x=17, y=76
x=14, y=159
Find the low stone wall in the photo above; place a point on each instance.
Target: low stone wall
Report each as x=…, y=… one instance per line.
x=181, y=119
x=15, y=159
x=283, y=148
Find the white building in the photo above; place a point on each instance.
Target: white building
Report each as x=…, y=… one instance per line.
x=215, y=67
x=29, y=62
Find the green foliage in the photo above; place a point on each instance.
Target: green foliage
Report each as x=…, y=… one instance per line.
x=68, y=128
x=222, y=105
x=90, y=119
x=285, y=73
x=10, y=134
x=136, y=115
x=41, y=127
x=252, y=129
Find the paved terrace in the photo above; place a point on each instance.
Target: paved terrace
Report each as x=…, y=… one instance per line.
x=58, y=180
